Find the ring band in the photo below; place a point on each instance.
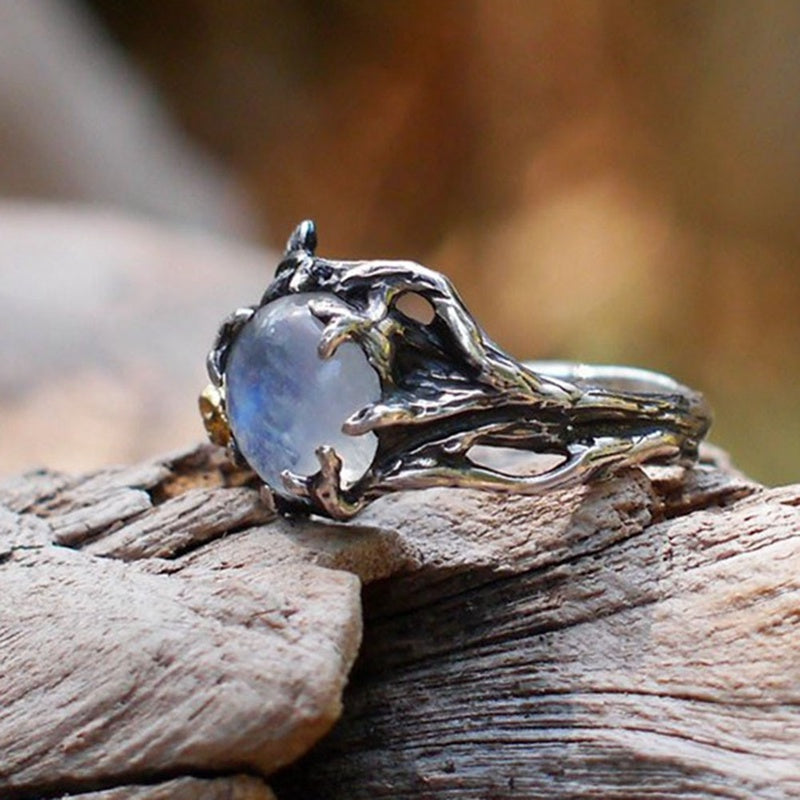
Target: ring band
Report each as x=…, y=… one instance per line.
x=334, y=395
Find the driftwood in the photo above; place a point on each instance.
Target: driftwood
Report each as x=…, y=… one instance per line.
x=165, y=635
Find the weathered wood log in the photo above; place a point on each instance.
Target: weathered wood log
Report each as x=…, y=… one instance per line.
x=241, y=787
x=633, y=637
x=118, y=672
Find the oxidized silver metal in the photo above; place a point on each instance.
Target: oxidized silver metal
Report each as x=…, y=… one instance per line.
x=446, y=387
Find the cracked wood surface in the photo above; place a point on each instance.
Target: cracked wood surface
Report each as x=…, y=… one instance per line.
x=125, y=665
x=637, y=636
x=240, y=787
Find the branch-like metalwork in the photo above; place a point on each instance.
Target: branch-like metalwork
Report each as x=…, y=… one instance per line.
x=446, y=387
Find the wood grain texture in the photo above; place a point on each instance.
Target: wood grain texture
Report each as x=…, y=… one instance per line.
x=118, y=672
x=632, y=638
x=636, y=638
x=235, y=788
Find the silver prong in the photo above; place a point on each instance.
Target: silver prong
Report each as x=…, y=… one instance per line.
x=304, y=237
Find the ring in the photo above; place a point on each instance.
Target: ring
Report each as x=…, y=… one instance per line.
x=352, y=379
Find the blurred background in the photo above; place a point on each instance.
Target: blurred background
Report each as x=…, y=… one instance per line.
x=603, y=180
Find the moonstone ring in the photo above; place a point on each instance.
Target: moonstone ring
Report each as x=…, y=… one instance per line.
x=351, y=379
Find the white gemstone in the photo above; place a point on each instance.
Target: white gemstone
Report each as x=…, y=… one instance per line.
x=284, y=401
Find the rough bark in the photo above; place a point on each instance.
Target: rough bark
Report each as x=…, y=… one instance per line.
x=634, y=637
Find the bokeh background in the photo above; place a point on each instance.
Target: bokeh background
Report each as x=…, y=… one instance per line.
x=603, y=180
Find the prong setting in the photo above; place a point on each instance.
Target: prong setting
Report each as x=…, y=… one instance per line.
x=446, y=387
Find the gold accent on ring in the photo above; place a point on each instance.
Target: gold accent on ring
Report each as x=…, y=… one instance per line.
x=212, y=410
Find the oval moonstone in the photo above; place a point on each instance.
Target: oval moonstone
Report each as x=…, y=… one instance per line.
x=284, y=401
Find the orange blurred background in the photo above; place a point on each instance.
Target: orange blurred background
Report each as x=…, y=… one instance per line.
x=603, y=180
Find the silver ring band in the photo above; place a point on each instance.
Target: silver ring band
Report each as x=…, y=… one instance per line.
x=611, y=377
